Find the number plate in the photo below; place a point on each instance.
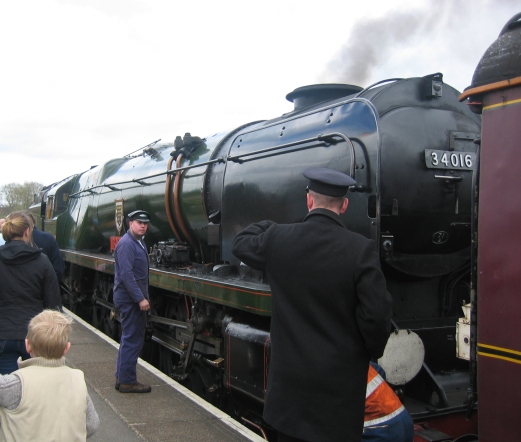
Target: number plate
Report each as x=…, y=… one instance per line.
x=446, y=159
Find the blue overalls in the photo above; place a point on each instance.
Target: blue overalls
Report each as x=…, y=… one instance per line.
x=130, y=287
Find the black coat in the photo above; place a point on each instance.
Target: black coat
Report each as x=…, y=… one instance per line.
x=28, y=285
x=330, y=313
x=49, y=246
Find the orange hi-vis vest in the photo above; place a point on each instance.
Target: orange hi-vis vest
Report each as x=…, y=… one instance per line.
x=381, y=403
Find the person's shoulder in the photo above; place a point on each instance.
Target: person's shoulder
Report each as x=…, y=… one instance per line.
x=42, y=234
x=75, y=374
x=76, y=371
x=284, y=229
x=18, y=252
x=126, y=243
x=125, y=240
x=44, y=239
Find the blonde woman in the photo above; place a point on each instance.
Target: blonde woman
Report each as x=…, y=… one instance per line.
x=28, y=286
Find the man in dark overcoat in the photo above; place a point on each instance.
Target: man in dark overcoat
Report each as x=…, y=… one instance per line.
x=331, y=313
x=47, y=242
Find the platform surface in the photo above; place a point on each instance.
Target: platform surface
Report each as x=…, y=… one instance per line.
x=169, y=413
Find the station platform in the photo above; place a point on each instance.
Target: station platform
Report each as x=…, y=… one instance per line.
x=170, y=412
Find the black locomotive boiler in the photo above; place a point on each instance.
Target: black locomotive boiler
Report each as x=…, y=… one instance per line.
x=408, y=143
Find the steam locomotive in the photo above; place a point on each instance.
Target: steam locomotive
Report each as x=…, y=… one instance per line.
x=411, y=147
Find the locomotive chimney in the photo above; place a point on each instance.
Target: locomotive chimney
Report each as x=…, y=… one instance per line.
x=306, y=96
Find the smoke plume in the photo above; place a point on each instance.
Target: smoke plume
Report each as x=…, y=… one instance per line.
x=373, y=40
x=369, y=44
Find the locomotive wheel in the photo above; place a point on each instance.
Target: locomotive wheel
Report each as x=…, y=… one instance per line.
x=205, y=382
x=72, y=303
x=101, y=316
x=151, y=350
x=167, y=358
x=69, y=297
x=111, y=328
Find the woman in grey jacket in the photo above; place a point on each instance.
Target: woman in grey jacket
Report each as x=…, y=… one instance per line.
x=28, y=285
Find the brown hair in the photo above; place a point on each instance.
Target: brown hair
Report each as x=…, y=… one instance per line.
x=48, y=334
x=30, y=215
x=15, y=225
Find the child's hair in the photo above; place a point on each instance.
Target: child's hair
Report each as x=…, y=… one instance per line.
x=48, y=334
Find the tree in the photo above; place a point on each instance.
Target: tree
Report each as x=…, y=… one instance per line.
x=16, y=196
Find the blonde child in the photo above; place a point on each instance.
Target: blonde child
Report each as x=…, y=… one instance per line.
x=44, y=399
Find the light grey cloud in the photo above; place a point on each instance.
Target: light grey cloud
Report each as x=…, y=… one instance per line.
x=84, y=81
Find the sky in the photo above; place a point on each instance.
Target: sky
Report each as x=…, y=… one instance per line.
x=85, y=81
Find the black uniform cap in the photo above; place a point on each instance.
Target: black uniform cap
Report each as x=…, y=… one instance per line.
x=138, y=215
x=328, y=181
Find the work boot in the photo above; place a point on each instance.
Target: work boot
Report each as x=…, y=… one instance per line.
x=134, y=388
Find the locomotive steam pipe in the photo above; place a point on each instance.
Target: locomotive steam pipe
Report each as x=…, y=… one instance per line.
x=167, y=200
x=177, y=204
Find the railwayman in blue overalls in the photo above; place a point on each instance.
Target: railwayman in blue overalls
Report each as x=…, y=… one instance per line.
x=131, y=298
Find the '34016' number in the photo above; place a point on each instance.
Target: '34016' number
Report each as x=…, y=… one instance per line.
x=442, y=159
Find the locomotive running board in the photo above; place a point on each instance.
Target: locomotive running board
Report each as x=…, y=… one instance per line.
x=242, y=295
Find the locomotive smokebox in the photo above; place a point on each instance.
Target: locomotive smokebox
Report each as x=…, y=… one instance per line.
x=306, y=96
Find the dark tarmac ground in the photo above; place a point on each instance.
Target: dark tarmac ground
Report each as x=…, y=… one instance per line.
x=169, y=413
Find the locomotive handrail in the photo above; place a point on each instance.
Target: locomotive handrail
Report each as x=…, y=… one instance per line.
x=376, y=84
x=449, y=177
x=234, y=158
x=230, y=158
x=141, y=179
x=111, y=186
x=321, y=137
x=153, y=143
x=193, y=166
